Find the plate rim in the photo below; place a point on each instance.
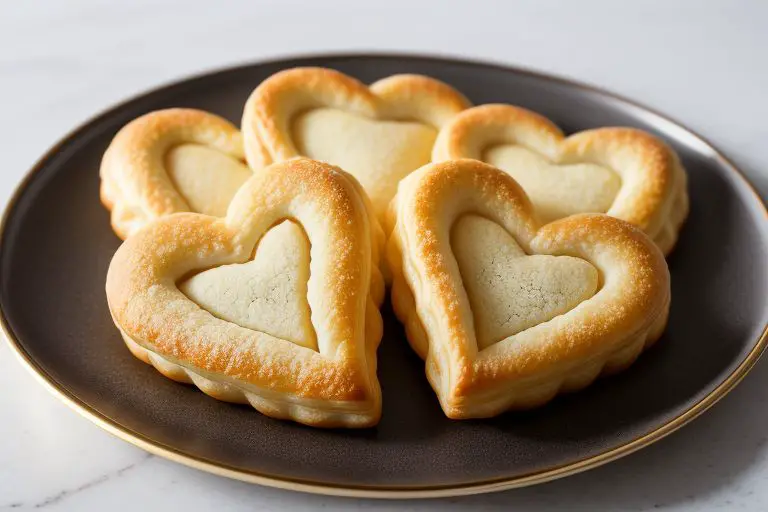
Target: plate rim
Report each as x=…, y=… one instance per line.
x=60, y=391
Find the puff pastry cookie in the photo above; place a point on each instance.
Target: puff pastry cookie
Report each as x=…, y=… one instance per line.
x=623, y=172
x=169, y=161
x=274, y=305
x=379, y=134
x=506, y=312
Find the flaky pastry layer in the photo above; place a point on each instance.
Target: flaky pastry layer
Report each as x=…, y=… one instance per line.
x=333, y=386
x=653, y=193
x=135, y=184
x=603, y=334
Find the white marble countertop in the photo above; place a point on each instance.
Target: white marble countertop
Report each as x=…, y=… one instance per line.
x=701, y=62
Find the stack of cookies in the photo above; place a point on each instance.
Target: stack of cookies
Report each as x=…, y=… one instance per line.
x=522, y=263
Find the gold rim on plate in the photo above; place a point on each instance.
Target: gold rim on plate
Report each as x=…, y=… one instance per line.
x=399, y=492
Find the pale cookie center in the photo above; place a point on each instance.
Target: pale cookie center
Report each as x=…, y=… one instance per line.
x=378, y=153
x=557, y=190
x=207, y=179
x=508, y=290
x=266, y=294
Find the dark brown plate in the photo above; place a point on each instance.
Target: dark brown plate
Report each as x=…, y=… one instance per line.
x=57, y=243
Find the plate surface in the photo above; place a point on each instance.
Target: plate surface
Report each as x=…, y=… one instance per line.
x=56, y=244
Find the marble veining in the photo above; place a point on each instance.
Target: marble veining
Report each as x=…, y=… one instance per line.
x=64, y=494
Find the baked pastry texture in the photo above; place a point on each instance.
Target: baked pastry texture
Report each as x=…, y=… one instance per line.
x=626, y=173
x=275, y=305
x=378, y=133
x=169, y=161
x=507, y=312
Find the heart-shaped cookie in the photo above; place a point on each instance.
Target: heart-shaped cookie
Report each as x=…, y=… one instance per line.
x=557, y=304
x=509, y=291
x=268, y=293
x=274, y=305
x=626, y=173
x=379, y=134
x=557, y=191
x=169, y=161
